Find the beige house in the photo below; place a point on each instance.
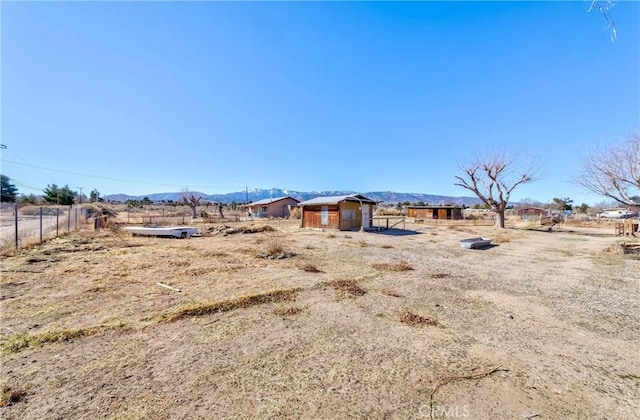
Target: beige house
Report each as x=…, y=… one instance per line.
x=271, y=207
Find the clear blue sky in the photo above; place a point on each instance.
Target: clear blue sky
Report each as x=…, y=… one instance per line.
x=309, y=96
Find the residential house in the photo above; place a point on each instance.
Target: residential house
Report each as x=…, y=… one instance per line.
x=271, y=207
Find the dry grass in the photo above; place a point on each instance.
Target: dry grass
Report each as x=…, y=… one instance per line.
x=401, y=265
x=16, y=342
x=415, y=320
x=195, y=309
x=287, y=310
x=347, y=288
x=327, y=351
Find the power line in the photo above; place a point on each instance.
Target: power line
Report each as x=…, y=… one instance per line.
x=128, y=181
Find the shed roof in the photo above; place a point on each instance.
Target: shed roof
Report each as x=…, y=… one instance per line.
x=335, y=199
x=268, y=201
x=435, y=207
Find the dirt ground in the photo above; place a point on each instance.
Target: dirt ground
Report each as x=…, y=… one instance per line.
x=399, y=325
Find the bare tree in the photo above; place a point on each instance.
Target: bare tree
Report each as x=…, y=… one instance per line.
x=492, y=179
x=605, y=6
x=192, y=201
x=614, y=171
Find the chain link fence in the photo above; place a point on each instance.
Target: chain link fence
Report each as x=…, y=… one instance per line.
x=32, y=224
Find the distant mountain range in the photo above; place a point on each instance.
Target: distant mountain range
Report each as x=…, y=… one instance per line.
x=387, y=197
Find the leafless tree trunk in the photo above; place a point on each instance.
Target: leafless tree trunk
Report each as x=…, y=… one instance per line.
x=491, y=179
x=614, y=172
x=192, y=201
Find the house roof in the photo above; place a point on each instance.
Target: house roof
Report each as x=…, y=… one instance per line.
x=268, y=201
x=335, y=199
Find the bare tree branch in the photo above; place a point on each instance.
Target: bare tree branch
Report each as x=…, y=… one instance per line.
x=614, y=171
x=192, y=201
x=490, y=179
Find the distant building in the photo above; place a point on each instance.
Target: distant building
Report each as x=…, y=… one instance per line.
x=344, y=212
x=526, y=212
x=271, y=207
x=435, y=212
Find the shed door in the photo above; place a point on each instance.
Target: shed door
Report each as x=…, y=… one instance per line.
x=366, y=216
x=324, y=216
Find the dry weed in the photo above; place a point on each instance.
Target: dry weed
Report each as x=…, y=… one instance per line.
x=310, y=268
x=287, y=311
x=17, y=342
x=181, y=263
x=387, y=246
x=347, y=288
x=401, y=265
x=274, y=244
x=409, y=318
x=193, y=309
x=10, y=395
x=390, y=292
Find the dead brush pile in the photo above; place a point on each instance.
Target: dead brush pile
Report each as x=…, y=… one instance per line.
x=347, y=288
x=230, y=230
x=401, y=265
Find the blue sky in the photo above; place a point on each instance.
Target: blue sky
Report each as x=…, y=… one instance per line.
x=213, y=97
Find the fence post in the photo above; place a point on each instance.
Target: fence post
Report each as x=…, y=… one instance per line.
x=76, y=218
x=69, y=219
x=40, y=224
x=57, y=221
x=15, y=212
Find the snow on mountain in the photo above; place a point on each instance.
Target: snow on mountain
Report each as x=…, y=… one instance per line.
x=387, y=197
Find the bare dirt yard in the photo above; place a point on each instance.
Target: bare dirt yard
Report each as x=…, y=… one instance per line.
x=406, y=325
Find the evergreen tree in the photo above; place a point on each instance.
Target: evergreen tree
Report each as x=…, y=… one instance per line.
x=9, y=191
x=59, y=195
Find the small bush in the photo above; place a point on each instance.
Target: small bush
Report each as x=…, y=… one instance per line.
x=274, y=244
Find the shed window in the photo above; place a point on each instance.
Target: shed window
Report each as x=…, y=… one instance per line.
x=263, y=209
x=348, y=214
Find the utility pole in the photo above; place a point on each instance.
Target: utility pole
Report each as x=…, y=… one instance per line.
x=80, y=188
x=246, y=189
